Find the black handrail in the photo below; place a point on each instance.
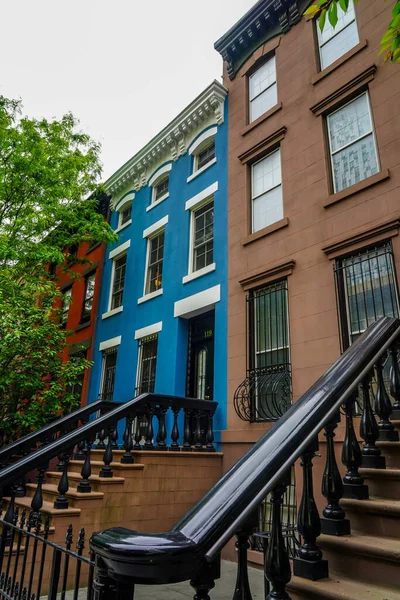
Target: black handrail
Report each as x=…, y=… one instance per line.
x=200, y=534
x=45, y=433
x=67, y=442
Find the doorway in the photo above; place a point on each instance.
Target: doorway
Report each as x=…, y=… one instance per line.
x=200, y=372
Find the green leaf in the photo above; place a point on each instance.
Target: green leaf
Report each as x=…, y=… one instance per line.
x=388, y=37
x=322, y=19
x=311, y=10
x=332, y=15
x=396, y=9
x=344, y=5
x=395, y=24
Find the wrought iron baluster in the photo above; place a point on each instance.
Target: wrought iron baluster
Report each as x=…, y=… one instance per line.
x=106, y=470
x=46, y=531
x=210, y=432
x=114, y=438
x=242, y=586
x=18, y=549
x=121, y=591
x=187, y=435
x=90, y=577
x=10, y=550
x=80, y=546
x=37, y=500
x=205, y=580
x=138, y=433
x=68, y=544
x=38, y=525
x=55, y=574
x=354, y=486
x=84, y=485
x=383, y=407
x=395, y=381
x=198, y=445
x=333, y=522
x=162, y=432
x=63, y=485
x=8, y=518
x=371, y=455
x=149, y=433
x=309, y=563
x=175, y=431
x=80, y=454
x=29, y=525
x=101, y=585
x=127, y=458
x=101, y=436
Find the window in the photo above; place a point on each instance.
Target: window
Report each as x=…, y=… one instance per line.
x=125, y=215
x=155, y=263
x=203, y=236
x=66, y=303
x=352, y=143
x=88, y=300
x=118, y=282
x=266, y=191
x=334, y=42
x=263, y=93
x=205, y=156
x=367, y=289
x=161, y=189
x=147, y=364
x=77, y=387
x=108, y=377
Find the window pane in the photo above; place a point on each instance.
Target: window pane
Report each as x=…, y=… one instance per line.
x=203, y=237
x=344, y=19
x=109, y=366
x=271, y=325
x=267, y=209
x=262, y=78
x=118, y=284
x=339, y=45
x=262, y=103
x=349, y=123
x=147, y=367
x=266, y=174
x=155, y=265
x=161, y=189
x=354, y=163
x=206, y=156
x=126, y=214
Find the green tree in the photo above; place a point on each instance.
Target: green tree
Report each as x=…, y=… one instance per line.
x=48, y=180
x=390, y=42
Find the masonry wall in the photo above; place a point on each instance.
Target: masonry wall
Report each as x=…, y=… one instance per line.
x=305, y=243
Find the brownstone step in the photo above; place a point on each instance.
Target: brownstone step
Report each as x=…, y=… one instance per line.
x=391, y=451
x=120, y=470
x=339, y=588
x=372, y=558
x=99, y=484
x=376, y=516
x=382, y=483
x=50, y=493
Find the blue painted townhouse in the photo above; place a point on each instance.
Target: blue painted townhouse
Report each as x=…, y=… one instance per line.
x=162, y=324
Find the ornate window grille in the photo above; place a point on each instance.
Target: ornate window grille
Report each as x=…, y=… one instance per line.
x=108, y=380
x=266, y=393
x=147, y=364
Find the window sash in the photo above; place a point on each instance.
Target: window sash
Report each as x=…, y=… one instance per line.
x=125, y=215
x=266, y=89
x=109, y=368
x=271, y=325
x=205, y=156
x=90, y=281
x=66, y=303
x=346, y=21
x=203, y=237
x=118, y=282
x=155, y=263
x=147, y=364
x=268, y=193
x=161, y=189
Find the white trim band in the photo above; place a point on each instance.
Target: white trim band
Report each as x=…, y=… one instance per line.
x=149, y=330
x=155, y=227
x=212, y=132
x=199, y=273
x=127, y=199
x=112, y=312
x=197, y=303
x=159, y=173
x=198, y=198
x=120, y=249
x=150, y=296
x=110, y=343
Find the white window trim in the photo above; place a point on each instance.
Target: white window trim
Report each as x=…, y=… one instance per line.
x=372, y=132
x=263, y=91
x=110, y=313
x=149, y=330
x=128, y=199
x=198, y=199
x=151, y=295
x=121, y=249
x=115, y=341
x=155, y=227
x=212, y=132
x=121, y=227
x=200, y=171
x=197, y=303
x=154, y=204
x=200, y=272
x=159, y=173
x=265, y=192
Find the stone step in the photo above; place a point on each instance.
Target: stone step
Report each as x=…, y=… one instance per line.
x=50, y=493
x=376, y=516
x=372, y=558
x=75, y=466
x=382, y=483
x=340, y=588
x=99, y=484
x=391, y=451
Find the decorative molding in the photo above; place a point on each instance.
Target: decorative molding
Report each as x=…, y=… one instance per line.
x=375, y=234
x=155, y=227
x=341, y=93
x=197, y=303
x=119, y=249
x=124, y=201
x=268, y=275
x=263, y=147
x=121, y=227
x=262, y=118
x=159, y=201
x=112, y=312
x=200, y=171
x=149, y=330
x=150, y=296
x=115, y=341
x=257, y=235
x=196, y=274
x=161, y=171
x=203, y=195
x=172, y=142
x=211, y=132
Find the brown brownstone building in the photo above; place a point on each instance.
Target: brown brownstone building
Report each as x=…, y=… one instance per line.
x=314, y=205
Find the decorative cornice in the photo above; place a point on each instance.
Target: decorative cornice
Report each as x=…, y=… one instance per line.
x=344, y=91
x=276, y=272
x=375, y=234
x=172, y=142
x=262, y=147
x=267, y=19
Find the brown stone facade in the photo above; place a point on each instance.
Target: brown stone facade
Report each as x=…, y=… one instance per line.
x=318, y=226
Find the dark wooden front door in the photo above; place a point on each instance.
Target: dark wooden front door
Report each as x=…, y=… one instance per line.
x=200, y=379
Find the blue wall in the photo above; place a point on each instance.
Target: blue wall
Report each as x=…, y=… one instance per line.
x=173, y=339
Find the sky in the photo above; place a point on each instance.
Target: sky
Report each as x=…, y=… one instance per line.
x=124, y=68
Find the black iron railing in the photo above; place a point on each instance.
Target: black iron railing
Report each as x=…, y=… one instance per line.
x=190, y=550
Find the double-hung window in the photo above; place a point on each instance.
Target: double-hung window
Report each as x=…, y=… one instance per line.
x=118, y=282
x=335, y=41
x=266, y=191
x=263, y=93
x=155, y=263
x=205, y=156
x=108, y=377
x=125, y=215
x=147, y=364
x=161, y=189
x=367, y=289
x=90, y=281
x=203, y=236
x=66, y=303
x=352, y=142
